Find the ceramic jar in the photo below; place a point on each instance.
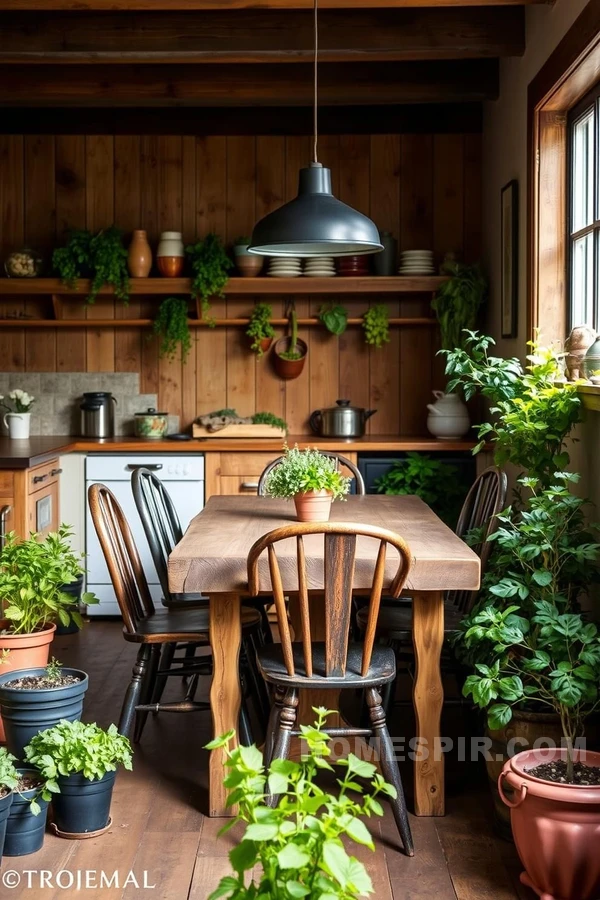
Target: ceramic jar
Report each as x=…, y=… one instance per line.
x=18, y=425
x=139, y=257
x=170, y=255
x=151, y=425
x=384, y=263
x=448, y=418
x=247, y=264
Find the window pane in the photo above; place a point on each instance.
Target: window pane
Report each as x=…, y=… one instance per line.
x=582, y=281
x=583, y=172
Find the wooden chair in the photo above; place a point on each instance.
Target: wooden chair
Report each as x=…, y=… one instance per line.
x=336, y=663
x=152, y=629
x=341, y=461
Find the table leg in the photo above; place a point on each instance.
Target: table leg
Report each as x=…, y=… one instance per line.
x=428, y=698
x=225, y=689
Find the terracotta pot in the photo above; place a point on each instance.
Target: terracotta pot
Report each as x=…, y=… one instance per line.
x=265, y=344
x=139, y=258
x=27, y=651
x=289, y=368
x=556, y=827
x=249, y=265
x=313, y=506
x=170, y=266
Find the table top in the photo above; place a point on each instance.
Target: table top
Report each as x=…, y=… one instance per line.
x=211, y=557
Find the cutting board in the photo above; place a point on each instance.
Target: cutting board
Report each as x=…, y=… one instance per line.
x=240, y=431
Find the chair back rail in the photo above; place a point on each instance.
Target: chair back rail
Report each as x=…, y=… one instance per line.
x=339, y=559
x=121, y=555
x=159, y=519
x=341, y=461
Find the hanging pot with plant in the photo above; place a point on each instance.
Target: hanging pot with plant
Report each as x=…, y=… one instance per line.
x=376, y=324
x=458, y=302
x=259, y=327
x=172, y=327
x=100, y=257
x=312, y=479
x=26, y=823
x=289, y=353
x=210, y=265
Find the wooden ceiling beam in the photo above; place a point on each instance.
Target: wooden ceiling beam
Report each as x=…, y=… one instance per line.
x=211, y=85
x=195, y=5
x=261, y=36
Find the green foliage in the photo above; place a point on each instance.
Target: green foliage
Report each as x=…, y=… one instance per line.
x=54, y=669
x=210, y=265
x=533, y=415
x=293, y=352
x=267, y=418
x=458, y=301
x=171, y=324
x=259, y=326
x=9, y=777
x=242, y=241
x=306, y=470
x=32, y=575
x=74, y=747
x=376, y=325
x=101, y=257
x=438, y=483
x=334, y=317
x=296, y=849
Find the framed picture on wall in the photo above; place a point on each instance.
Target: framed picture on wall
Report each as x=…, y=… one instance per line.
x=509, y=250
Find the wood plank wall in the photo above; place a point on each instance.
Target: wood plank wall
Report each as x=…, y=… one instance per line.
x=425, y=188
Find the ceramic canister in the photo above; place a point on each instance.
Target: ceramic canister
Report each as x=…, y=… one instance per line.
x=139, y=256
x=170, y=255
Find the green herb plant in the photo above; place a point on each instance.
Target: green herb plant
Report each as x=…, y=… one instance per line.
x=267, y=418
x=101, y=257
x=210, y=265
x=296, y=849
x=294, y=352
x=259, y=327
x=376, y=324
x=9, y=777
x=334, y=317
x=438, y=483
x=458, y=302
x=32, y=575
x=306, y=470
x=54, y=669
x=171, y=324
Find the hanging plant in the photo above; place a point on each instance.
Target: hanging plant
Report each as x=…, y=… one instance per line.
x=376, y=323
x=171, y=324
x=210, y=265
x=290, y=352
x=334, y=317
x=100, y=257
x=260, y=329
x=458, y=301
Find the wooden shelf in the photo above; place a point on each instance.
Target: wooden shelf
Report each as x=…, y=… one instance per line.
x=371, y=284
x=193, y=323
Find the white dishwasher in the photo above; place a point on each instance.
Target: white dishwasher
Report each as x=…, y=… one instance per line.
x=183, y=476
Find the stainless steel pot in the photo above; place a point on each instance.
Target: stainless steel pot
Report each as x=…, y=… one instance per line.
x=98, y=414
x=342, y=420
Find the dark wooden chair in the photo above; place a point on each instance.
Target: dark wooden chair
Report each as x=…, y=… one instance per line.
x=337, y=663
x=342, y=462
x=152, y=629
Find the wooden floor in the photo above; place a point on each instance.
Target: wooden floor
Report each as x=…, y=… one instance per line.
x=158, y=826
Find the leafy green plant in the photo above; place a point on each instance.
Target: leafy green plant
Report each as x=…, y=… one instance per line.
x=70, y=748
x=101, y=257
x=267, y=418
x=438, y=483
x=458, y=302
x=334, y=317
x=376, y=324
x=54, y=669
x=9, y=777
x=293, y=352
x=306, y=470
x=171, y=324
x=296, y=847
x=32, y=575
x=210, y=265
x=259, y=326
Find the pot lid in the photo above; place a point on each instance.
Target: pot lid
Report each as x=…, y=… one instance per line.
x=344, y=404
x=151, y=412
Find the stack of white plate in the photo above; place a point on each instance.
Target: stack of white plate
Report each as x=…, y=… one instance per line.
x=285, y=267
x=416, y=262
x=319, y=267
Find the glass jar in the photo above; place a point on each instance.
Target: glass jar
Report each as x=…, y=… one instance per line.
x=24, y=263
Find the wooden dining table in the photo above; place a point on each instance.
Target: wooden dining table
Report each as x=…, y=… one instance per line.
x=211, y=559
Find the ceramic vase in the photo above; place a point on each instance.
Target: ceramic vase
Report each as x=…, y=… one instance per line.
x=248, y=264
x=170, y=255
x=139, y=257
x=448, y=418
x=18, y=425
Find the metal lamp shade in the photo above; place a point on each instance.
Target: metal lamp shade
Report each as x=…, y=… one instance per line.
x=315, y=223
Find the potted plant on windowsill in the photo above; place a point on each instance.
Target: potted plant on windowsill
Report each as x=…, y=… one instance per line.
x=259, y=329
x=311, y=479
x=9, y=779
x=289, y=353
x=78, y=763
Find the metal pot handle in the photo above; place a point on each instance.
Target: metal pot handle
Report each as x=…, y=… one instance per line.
x=315, y=421
x=511, y=803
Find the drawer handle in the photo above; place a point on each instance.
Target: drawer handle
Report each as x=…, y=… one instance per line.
x=37, y=478
x=3, y=516
x=249, y=485
x=153, y=467
x=56, y=472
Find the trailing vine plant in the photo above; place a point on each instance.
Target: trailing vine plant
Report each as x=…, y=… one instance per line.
x=100, y=257
x=171, y=324
x=259, y=327
x=210, y=265
x=376, y=323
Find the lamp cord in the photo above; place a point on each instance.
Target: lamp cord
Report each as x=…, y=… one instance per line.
x=315, y=82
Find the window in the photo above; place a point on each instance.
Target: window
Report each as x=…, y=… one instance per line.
x=584, y=211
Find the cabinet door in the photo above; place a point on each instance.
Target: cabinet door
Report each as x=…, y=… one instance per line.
x=239, y=484
x=7, y=516
x=42, y=509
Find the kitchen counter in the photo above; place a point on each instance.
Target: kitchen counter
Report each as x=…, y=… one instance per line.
x=38, y=449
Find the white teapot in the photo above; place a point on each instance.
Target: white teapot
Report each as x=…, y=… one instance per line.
x=448, y=417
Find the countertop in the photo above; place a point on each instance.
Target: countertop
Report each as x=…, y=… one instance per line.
x=39, y=449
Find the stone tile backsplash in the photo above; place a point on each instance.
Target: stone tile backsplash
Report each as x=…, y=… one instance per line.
x=58, y=395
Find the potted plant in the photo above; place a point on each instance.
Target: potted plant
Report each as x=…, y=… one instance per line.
x=8, y=781
x=78, y=763
x=458, y=302
x=376, y=324
x=26, y=823
x=296, y=849
x=210, y=265
x=18, y=417
x=438, y=483
x=100, y=257
x=171, y=325
x=248, y=264
x=313, y=481
x=260, y=329
x=289, y=353
x=32, y=700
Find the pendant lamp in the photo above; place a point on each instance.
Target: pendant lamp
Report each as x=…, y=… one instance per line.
x=315, y=223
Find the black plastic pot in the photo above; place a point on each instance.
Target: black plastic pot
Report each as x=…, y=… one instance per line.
x=5, y=804
x=26, y=712
x=82, y=805
x=24, y=831
x=75, y=588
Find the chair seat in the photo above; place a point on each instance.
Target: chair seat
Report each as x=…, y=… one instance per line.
x=177, y=625
x=395, y=623
x=272, y=667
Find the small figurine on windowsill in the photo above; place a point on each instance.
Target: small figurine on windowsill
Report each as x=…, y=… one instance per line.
x=576, y=346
